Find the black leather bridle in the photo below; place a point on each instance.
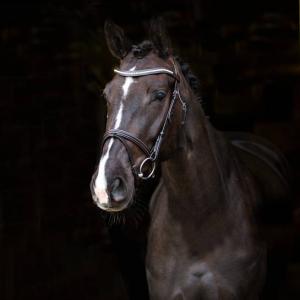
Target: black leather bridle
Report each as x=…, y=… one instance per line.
x=123, y=136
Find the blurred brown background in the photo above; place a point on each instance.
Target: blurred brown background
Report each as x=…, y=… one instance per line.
x=53, y=65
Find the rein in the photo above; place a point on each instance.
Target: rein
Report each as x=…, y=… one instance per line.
x=123, y=136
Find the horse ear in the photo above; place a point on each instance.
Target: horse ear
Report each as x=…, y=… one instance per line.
x=116, y=41
x=159, y=37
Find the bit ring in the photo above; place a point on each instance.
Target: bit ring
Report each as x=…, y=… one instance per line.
x=151, y=174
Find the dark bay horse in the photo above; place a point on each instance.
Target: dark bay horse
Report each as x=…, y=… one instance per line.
x=203, y=240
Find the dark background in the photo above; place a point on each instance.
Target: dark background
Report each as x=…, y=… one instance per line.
x=54, y=64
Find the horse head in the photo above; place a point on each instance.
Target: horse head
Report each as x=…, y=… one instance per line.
x=145, y=94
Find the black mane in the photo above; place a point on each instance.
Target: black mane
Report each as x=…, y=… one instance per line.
x=143, y=49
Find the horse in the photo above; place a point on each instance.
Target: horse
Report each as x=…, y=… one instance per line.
x=203, y=240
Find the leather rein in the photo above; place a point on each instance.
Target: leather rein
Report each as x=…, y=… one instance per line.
x=123, y=136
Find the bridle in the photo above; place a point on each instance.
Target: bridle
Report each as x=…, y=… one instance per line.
x=123, y=136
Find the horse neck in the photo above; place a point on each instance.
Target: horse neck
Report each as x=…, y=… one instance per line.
x=196, y=175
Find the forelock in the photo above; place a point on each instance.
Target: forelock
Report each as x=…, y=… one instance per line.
x=142, y=49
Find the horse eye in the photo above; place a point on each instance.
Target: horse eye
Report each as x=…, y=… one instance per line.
x=160, y=95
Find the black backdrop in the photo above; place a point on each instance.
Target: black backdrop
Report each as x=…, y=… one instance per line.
x=54, y=64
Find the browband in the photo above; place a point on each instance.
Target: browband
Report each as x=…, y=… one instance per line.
x=145, y=72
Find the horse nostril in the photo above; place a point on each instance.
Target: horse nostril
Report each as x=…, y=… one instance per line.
x=118, y=190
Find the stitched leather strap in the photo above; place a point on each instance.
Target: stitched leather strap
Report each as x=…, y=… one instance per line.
x=145, y=72
x=113, y=133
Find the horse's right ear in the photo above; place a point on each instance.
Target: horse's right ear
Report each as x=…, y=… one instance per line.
x=159, y=36
x=116, y=41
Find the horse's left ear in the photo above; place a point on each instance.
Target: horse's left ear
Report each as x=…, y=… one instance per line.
x=159, y=37
x=116, y=40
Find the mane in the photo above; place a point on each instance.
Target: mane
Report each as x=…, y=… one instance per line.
x=143, y=49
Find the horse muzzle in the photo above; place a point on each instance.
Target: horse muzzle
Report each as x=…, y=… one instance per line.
x=113, y=184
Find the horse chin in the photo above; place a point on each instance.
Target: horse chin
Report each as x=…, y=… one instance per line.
x=113, y=209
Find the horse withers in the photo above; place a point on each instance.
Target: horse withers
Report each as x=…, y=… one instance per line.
x=203, y=241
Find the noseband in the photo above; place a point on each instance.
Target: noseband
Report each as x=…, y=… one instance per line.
x=123, y=136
